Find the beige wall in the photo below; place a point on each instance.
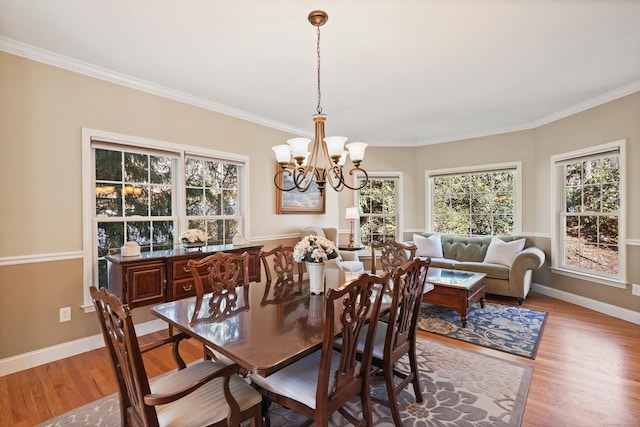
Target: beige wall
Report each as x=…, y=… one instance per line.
x=42, y=112
x=44, y=108
x=609, y=122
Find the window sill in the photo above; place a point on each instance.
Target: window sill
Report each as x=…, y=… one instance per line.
x=621, y=284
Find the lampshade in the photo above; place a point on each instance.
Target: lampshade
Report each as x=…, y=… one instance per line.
x=352, y=213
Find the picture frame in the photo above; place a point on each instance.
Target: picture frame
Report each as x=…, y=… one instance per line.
x=297, y=202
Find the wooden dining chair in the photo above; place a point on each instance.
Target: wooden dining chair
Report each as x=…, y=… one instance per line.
x=226, y=277
x=221, y=274
x=397, y=337
x=324, y=381
x=284, y=265
x=204, y=393
x=392, y=255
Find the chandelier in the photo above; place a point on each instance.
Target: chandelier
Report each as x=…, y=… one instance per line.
x=305, y=167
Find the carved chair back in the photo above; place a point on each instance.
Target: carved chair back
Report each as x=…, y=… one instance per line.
x=224, y=273
x=282, y=261
x=358, y=303
x=392, y=255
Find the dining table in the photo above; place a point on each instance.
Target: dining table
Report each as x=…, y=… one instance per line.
x=272, y=324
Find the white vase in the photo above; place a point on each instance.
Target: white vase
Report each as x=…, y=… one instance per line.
x=316, y=277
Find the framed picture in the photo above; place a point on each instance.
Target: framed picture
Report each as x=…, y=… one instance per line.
x=296, y=202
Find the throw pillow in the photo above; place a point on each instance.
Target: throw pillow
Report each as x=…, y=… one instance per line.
x=428, y=246
x=500, y=252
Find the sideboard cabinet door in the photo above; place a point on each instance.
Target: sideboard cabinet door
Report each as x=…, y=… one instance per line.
x=145, y=284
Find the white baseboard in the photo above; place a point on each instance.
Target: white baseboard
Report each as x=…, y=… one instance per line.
x=43, y=356
x=601, y=307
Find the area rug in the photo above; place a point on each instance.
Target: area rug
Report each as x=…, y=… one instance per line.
x=511, y=329
x=459, y=387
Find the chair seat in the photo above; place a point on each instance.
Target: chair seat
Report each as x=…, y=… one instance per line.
x=305, y=372
x=204, y=406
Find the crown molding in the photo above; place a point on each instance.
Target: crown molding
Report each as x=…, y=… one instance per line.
x=65, y=62
x=47, y=57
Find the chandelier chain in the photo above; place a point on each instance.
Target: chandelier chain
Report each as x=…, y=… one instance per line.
x=319, y=107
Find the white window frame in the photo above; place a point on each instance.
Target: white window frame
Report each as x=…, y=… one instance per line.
x=89, y=243
x=494, y=167
x=399, y=202
x=557, y=203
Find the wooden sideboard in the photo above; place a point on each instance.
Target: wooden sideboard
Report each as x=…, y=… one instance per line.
x=161, y=276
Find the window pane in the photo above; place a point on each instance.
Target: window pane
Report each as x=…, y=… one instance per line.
x=193, y=173
x=136, y=167
x=592, y=197
x=108, y=165
x=111, y=236
x=162, y=235
x=230, y=202
x=160, y=201
x=136, y=201
x=161, y=170
x=214, y=201
x=195, y=202
x=109, y=199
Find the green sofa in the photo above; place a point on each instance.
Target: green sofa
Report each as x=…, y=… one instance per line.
x=468, y=254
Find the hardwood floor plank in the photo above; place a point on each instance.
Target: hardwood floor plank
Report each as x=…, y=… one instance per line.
x=586, y=373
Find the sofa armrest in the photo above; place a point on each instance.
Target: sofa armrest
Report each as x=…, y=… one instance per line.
x=530, y=258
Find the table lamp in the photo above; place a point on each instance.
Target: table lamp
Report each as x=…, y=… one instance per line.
x=351, y=214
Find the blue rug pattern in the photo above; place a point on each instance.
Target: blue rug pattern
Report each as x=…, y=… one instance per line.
x=514, y=330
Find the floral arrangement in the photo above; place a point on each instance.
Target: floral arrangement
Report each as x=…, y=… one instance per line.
x=193, y=235
x=314, y=249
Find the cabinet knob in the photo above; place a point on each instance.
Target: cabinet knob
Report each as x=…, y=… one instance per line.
x=187, y=288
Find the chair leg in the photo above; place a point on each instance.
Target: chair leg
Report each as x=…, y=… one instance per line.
x=366, y=407
x=391, y=393
x=266, y=404
x=413, y=362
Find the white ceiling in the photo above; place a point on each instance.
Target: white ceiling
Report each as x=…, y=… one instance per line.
x=397, y=72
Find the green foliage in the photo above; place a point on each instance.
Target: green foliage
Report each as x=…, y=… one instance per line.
x=377, y=204
x=474, y=204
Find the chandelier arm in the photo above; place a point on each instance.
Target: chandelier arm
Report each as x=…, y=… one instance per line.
x=344, y=183
x=297, y=177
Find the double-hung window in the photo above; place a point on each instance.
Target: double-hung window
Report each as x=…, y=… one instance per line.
x=150, y=192
x=478, y=201
x=379, y=206
x=588, y=213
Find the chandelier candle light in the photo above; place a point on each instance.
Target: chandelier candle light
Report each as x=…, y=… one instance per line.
x=305, y=163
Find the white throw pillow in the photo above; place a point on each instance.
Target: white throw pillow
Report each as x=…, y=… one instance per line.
x=500, y=252
x=428, y=246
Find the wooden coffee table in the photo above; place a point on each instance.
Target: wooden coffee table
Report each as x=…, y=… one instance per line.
x=455, y=289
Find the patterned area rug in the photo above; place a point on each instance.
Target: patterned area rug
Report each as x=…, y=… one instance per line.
x=460, y=387
x=511, y=329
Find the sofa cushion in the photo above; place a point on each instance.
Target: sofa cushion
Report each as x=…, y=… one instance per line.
x=493, y=271
x=500, y=252
x=428, y=246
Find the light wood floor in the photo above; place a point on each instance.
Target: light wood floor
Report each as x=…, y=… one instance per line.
x=586, y=373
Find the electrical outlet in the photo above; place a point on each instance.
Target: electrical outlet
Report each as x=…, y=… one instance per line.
x=65, y=314
x=635, y=289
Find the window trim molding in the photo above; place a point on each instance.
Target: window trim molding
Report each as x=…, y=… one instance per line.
x=399, y=201
x=515, y=166
x=89, y=250
x=556, y=202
